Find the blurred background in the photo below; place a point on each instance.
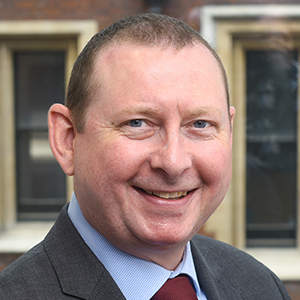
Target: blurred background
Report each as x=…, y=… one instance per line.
x=259, y=44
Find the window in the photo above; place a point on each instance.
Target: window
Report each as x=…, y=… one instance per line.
x=260, y=48
x=268, y=99
x=36, y=58
x=39, y=78
x=271, y=156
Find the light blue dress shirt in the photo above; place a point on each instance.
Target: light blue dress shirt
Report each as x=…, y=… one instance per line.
x=136, y=278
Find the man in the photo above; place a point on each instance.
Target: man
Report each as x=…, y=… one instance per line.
x=146, y=132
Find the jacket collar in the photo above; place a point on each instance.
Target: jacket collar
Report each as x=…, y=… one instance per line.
x=78, y=270
x=210, y=271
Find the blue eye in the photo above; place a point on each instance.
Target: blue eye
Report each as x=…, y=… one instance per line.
x=136, y=123
x=200, y=124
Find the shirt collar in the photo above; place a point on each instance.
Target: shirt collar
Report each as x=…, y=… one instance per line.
x=136, y=278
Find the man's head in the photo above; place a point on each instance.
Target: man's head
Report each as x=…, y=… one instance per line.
x=152, y=30
x=153, y=159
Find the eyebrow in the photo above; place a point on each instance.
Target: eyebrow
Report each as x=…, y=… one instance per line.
x=205, y=110
x=134, y=109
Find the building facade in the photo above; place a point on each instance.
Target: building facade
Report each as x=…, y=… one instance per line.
x=259, y=43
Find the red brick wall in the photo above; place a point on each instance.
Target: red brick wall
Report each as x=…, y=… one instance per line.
x=6, y=259
x=293, y=288
x=106, y=12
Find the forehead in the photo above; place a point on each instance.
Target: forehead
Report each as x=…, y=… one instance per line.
x=193, y=71
x=136, y=55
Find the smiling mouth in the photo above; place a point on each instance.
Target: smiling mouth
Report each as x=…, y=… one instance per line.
x=175, y=195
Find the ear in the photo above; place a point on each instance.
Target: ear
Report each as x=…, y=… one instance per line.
x=232, y=114
x=61, y=136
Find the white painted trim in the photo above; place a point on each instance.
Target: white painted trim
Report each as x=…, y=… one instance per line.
x=23, y=236
x=284, y=262
x=209, y=14
x=84, y=30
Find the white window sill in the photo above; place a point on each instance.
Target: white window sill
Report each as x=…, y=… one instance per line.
x=283, y=262
x=23, y=236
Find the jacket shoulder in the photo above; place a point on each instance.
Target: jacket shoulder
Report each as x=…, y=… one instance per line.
x=60, y=267
x=234, y=269
x=28, y=276
x=33, y=276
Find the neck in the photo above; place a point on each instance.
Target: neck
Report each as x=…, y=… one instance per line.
x=168, y=257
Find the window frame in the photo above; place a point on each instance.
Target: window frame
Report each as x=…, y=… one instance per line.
x=68, y=36
x=229, y=29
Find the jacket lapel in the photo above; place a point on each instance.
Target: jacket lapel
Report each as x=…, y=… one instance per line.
x=78, y=270
x=209, y=272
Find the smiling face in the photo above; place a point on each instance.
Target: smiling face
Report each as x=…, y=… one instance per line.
x=154, y=160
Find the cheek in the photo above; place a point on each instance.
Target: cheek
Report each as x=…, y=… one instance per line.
x=121, y=159
x=215, y=173
x=214, y=164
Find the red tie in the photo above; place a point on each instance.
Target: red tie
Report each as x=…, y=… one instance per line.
x=178, y=288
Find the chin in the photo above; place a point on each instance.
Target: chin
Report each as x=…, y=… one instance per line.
x=170, y=238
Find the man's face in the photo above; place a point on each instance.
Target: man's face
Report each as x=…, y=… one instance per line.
x=154, y=161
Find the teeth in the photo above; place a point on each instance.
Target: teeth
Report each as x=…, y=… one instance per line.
x=162, y=195
x=168, y=195
x=173, y=195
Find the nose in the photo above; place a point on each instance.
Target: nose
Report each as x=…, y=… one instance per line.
x=172, y=157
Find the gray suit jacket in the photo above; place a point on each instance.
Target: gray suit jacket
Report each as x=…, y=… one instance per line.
x=63, y=267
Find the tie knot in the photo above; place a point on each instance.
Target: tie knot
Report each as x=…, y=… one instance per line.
x=177, y=288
